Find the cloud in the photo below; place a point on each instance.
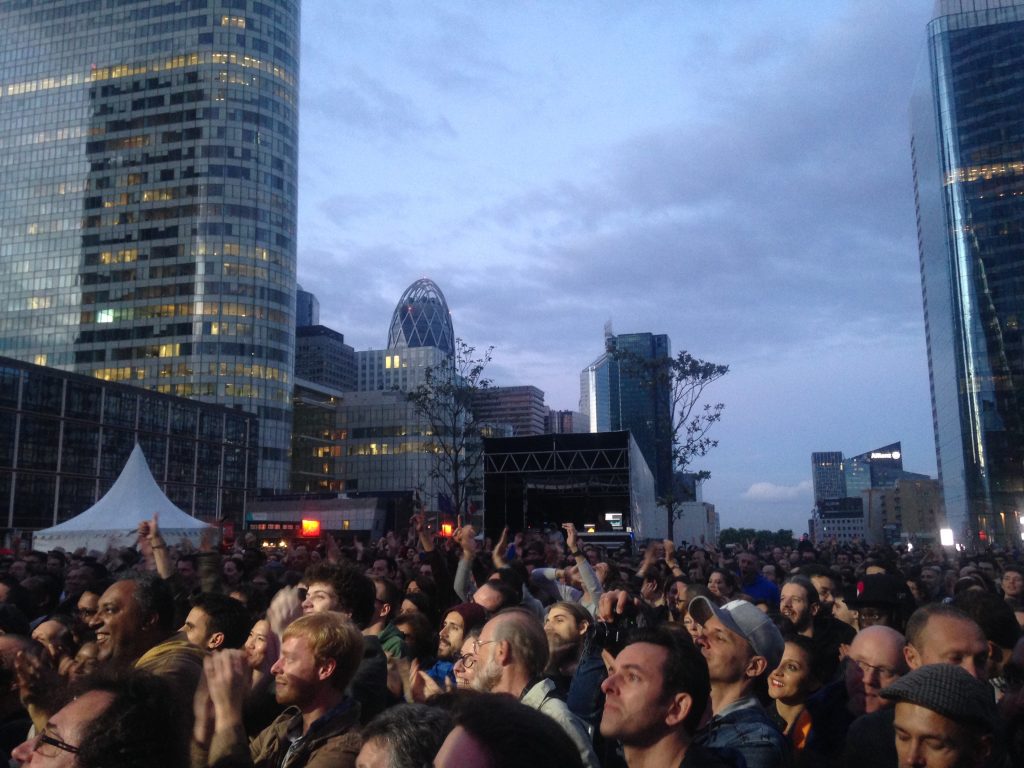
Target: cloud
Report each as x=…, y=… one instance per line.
x=737, y=177
x=770, y=492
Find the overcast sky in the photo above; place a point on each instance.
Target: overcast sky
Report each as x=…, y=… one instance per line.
x=734, y=174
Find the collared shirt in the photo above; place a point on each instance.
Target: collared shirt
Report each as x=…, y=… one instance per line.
x=740, y=703
x=296, y=737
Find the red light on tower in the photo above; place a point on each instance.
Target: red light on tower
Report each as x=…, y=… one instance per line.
x=309, y=529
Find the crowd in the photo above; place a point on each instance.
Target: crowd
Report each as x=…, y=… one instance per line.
x=536, y=650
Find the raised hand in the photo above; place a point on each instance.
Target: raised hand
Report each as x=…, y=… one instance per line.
x=227, y=678
x=571, y=537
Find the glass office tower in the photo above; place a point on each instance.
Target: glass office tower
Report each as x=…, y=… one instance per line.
x=968, y=160
x=618, y=392
x=148, y=166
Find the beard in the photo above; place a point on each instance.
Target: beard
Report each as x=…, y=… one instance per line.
x=796, y=623
x=488, y=677
x=559, y=643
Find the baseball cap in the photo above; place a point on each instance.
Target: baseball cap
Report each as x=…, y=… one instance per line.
x=746, y=620
x=949, y=690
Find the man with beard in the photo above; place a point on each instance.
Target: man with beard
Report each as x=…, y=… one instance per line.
x=801, y=608
x=458, y=622
x=574, y=663
x=511, y=654
x=320, y=727
x=346, y=590
x=566, y=625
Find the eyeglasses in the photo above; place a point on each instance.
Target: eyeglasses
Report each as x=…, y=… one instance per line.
x=52, y=741
x=477, y=644
x=884, y=673
x=467, y=659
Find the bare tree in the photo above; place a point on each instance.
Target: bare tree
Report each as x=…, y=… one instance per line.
x=684, y=378
x=445, y=402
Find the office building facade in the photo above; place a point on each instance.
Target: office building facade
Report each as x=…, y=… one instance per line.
x=307, y=308
x=64, y=439
x=521, y=408
x=565, y=422
x=827, y=475
x=369, y=439
x=360, y=442
x=968, y=155
x=618, y=391
x=148, y=171
x=323, y=357
x=878, y=468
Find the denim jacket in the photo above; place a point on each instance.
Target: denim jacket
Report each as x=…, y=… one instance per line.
x=745, y=727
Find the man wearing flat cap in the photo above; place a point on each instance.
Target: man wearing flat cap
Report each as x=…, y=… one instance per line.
x=741, y=646
x=945, y=718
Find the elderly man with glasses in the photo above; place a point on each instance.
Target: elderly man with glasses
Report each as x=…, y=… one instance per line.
x=511, y=654
x=874, y=660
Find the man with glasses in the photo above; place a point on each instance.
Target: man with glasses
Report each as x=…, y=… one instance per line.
x=511, y=654
x=937, y=633
x=120, y=723
x=875, y=660
x=88, y=604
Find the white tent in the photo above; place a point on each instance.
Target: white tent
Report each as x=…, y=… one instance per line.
x=114, y=520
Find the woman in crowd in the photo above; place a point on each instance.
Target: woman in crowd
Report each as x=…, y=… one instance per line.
x=722, y=584
x=798, y=675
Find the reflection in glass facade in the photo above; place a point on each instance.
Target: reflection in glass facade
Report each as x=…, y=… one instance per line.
x=148, y=166
x=64, y=439
x=968, y=158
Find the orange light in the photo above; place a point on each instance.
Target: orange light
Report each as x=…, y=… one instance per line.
x=310, y=529
x=446, y=529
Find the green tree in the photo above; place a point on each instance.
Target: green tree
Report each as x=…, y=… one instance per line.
x=688, y=419
x=445, y=402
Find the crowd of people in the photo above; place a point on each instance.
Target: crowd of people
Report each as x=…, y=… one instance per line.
x=539, y=649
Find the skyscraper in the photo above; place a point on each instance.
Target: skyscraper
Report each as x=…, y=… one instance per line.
x=307, y=308
x=323, y=357
x=148, y=167
x=522, y=408
x=827, y=475
x=617, y=391
x=968, y=160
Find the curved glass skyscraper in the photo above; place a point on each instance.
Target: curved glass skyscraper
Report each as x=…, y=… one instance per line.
x=968, y=155
x=422, y=319
x=148, y=167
